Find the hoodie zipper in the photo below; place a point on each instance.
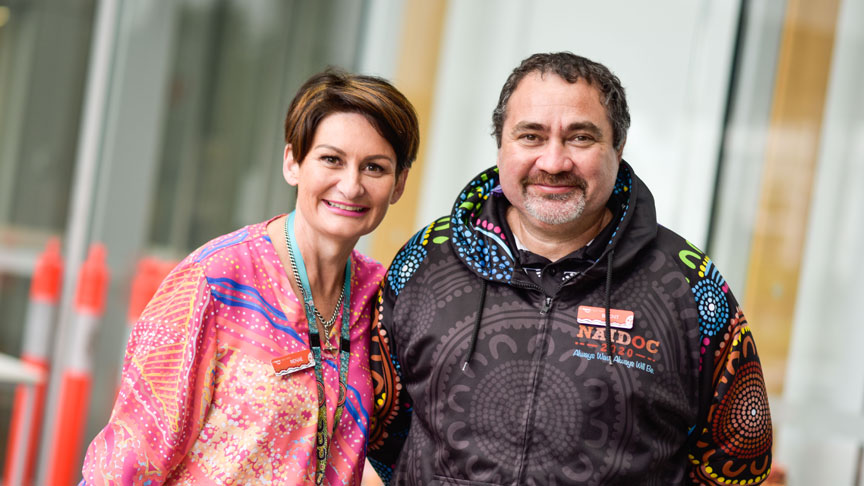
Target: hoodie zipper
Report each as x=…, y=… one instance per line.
x=546, y=305
x=535, y=377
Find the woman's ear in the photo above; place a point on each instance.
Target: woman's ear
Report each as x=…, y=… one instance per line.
x=400, y=186
x=290, y=167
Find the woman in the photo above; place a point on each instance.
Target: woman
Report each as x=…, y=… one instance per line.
x=250, y=365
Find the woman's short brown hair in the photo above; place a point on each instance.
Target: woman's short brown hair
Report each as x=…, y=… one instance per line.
x=336, y=91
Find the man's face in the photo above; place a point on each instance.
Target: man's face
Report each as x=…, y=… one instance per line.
x=557, y=162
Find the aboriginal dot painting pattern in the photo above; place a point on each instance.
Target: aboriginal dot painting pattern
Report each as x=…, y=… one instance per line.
x=408, y=260
x=712, y=306
x=710, y=292
x=739, y=448
x=622, y=190
x=742, y=418
x=476, y=241
x=735, y=443
x=711, y=299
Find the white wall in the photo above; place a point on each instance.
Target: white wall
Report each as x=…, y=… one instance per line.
x=672, y=57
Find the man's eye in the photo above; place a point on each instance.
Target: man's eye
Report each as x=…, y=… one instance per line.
x=529, y=137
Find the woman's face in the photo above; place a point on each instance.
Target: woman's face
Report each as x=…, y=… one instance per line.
x=347, y=179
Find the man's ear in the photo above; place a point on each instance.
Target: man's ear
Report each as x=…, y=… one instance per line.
x=400, y=186
x=620, y=151
x=290, y=168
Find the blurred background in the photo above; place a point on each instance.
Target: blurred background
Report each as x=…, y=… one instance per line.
x=152, y=126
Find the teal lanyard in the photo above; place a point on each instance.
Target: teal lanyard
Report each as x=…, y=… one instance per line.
x=322, y=440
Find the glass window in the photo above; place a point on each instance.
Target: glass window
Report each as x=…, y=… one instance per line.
x=235, y=67
x=795, y=130
x=44, y=49
x=191, y=140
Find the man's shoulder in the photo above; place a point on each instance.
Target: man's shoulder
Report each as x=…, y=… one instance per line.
x=430, y=239
x=668, y=241
x=692, y=261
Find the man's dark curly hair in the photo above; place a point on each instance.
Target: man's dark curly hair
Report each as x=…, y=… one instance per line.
x=571, y=68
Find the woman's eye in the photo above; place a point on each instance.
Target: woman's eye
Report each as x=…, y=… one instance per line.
x=374, y=168
x=330, y=159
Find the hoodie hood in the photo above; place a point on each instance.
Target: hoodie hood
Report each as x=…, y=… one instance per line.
x=479, y=241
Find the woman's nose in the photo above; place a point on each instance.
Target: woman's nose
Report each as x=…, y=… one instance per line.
x=350, y=184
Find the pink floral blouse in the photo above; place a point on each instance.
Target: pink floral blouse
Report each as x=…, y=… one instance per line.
x=200, y=402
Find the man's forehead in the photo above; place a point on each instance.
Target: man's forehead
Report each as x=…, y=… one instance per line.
x=547, y=88
x=537, y=97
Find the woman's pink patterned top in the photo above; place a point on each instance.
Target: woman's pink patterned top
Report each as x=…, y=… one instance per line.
x=200, y=402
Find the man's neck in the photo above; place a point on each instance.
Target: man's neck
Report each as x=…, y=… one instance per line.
x=556, y=241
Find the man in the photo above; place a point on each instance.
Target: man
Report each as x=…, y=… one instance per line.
x=549, y=331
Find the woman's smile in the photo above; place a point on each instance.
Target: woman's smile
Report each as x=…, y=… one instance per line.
x=346, y=208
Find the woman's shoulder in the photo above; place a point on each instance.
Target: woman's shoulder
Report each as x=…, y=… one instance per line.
x=221, y=246
x=366, y=268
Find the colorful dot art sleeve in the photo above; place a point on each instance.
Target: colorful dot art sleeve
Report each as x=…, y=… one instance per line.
x=731, y=443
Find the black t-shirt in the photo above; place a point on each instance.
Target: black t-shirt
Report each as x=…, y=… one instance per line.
x=551, y=275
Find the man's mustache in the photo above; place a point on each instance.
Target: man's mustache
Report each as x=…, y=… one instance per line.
x=548, y=179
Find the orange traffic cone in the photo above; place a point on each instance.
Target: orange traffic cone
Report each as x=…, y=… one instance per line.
x=30, y=400
x=77, y=371
x=149, y=275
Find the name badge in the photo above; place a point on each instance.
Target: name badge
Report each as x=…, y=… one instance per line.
x=596, y=316
x=290, y=363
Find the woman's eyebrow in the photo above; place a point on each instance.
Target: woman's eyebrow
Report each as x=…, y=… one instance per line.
x=330, y=147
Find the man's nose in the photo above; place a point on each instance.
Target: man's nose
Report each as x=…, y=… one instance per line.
x=555, y=159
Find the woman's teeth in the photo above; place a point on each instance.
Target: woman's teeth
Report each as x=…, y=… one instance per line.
x=356, y=209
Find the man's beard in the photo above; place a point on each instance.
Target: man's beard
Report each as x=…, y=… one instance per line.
x=555, y=209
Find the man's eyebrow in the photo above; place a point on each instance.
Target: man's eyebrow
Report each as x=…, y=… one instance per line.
x=528, y=126
x=585, y=126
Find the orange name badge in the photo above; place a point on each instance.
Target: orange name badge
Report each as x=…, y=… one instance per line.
x=596, y=316
x=290, y=363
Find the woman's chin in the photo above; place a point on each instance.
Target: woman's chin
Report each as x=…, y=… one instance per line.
x=347, y=234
